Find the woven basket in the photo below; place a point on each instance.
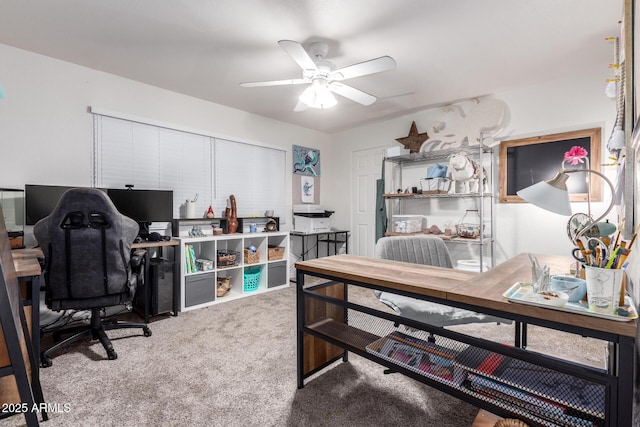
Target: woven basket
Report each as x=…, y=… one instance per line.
x=223, y=286
x=251, y=257
x=227, y=258
x=275, y=253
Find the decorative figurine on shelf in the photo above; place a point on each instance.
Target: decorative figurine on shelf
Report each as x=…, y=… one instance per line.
x=196, y=231
x=231, y=215
x=210, y=213
x=468, y=172
x=271, y=225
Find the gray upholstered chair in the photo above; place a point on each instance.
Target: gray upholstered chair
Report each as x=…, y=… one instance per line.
x=427, y=250
x=88, y=264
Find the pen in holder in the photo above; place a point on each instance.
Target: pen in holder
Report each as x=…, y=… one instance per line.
x=543, y=281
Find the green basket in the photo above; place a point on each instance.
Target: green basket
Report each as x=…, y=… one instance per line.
x=251, y=279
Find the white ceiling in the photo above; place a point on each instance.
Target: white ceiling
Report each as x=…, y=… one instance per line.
x=445, y=50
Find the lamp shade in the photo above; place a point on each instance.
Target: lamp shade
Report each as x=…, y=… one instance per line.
x=548, y=196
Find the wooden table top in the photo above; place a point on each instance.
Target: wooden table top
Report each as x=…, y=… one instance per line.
x=26, y=262
x=479, y=289
x=161, y=243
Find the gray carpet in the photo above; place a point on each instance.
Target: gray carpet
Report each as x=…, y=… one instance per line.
x=234, y=364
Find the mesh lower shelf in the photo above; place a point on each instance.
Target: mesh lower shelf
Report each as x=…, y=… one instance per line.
x=542, y=396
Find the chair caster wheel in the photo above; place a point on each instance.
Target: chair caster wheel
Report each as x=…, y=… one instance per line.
x=147, y=332
x=112, y=355
x=45, y=361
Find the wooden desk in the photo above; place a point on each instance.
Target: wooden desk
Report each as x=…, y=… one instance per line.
x=329, y=325
x=28, y=272
x=26, y=262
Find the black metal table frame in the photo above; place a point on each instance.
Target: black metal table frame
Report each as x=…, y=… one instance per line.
x=328, y=240
x=617, y=379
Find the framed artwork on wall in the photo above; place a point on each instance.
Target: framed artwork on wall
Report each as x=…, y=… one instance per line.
x=306, y=161
x=524, y=162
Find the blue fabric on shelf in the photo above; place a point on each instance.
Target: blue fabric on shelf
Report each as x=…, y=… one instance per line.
x=437, y=171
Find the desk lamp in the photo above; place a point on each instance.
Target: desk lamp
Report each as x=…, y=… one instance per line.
x=552, y=194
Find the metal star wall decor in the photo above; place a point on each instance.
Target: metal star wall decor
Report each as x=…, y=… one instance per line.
x=414, y=141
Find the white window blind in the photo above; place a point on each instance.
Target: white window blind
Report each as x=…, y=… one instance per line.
x=255, y=175
x=185, y=168
x=153, y=157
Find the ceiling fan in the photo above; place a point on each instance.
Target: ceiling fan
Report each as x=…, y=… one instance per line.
x=324, y=78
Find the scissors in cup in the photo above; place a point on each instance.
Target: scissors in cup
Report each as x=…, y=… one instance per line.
x=594, y=254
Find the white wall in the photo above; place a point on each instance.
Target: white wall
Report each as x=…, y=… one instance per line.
x=46, y=129
x=557, y=106
x=46, y=133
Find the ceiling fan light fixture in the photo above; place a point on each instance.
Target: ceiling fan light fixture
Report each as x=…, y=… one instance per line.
x=325, y=78
x=318, y=95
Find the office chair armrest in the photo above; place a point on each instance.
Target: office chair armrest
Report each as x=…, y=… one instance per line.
x=136, y=270
x=137, y=258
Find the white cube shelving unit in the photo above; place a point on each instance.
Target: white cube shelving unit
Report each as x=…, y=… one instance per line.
x=198, y=288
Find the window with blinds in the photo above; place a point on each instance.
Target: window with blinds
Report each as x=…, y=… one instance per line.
x=152, y=157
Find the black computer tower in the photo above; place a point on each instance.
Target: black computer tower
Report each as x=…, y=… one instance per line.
x=160, y=284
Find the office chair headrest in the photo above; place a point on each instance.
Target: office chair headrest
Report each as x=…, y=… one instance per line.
x=86, y=208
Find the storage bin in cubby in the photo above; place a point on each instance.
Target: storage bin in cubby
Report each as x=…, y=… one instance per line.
x=199, y=289
x=252, y=279
x=277, y=274
x=227, y=258
x=251, y=257
x=275, y=252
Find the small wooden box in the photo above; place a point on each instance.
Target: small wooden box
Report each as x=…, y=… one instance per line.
x=275, y=252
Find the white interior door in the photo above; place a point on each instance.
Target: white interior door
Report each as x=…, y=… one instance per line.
x=366, y=166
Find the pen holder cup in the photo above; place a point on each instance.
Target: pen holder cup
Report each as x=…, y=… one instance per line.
x=603, y=289
x=190, y=209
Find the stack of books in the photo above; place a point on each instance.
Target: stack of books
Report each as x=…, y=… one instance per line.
x=553, y=397
x=190, y=259
x=418, y=355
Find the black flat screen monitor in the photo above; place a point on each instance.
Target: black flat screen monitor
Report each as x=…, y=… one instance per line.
x=40, y=200
x=144, y=206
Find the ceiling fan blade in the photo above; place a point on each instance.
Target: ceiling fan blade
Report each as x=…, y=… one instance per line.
x=352, y=93
x=298, y=54
x=378, y=65
x=275, y=83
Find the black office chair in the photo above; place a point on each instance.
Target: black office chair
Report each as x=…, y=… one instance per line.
x=88, y=264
